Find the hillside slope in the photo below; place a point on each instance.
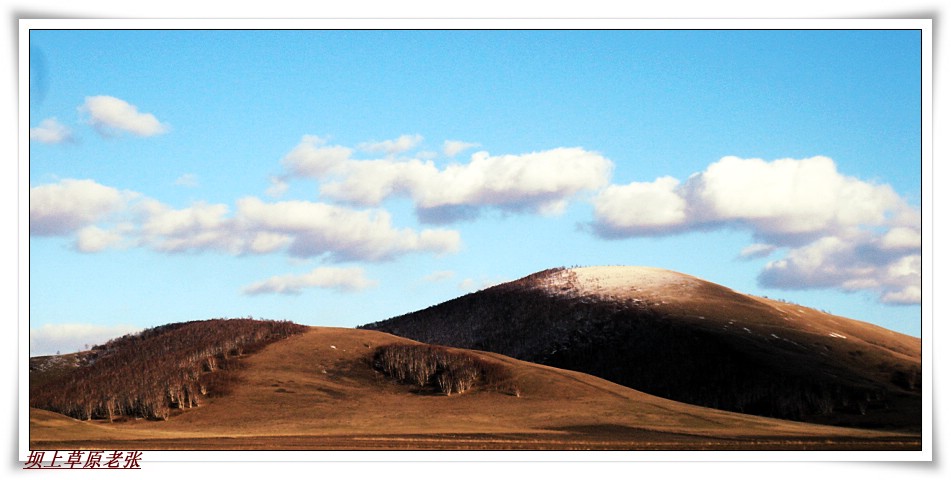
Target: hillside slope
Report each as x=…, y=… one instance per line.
x=686, y=339
x=150, y=373
x=318, y=391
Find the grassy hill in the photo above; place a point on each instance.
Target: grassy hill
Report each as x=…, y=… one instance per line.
x=689, y=340
x=320, y=390
x=150, y=373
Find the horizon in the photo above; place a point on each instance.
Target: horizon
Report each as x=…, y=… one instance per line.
x=339, y=178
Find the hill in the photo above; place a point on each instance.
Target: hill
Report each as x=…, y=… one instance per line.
x=686, y=339
x=320, y=390
x=152, y=372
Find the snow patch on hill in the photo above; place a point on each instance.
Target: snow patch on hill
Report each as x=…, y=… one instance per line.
x=631, y=283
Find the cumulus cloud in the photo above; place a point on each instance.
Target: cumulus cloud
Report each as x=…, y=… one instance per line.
x=538, y=182
x=302, y=229
x=640, y=208
x=849, y=264
x=533, y=181
x=788, y=197
x=73, y=337
x=299, y=228
x=902, y=238
x=780, y=200
x=451, y=148
x=196, y=228
x=827, y=262
x=51, y=131
x=391, y=147
x=110, y=115
x=64, y=207
x=910, y=295
x=345, y=234
x=838, y=231
x=343, y=279
x=93, y=239
x=312, y=158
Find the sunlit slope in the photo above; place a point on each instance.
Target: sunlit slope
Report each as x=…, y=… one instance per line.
x=683, y=338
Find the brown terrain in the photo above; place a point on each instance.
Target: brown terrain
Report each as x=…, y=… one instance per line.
x=319, y=391
x=686, y=339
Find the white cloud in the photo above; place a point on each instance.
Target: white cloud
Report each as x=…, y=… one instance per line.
x=849, y=264
x=531, y=181
x=782, y=200
x=539, y=182
x=344, y=279
x=73, y=337
x=827, y=262
x=302, y=229
x=788, y=197
x=188, y=180
x=64, y=207
x=310, y=158
x=391, y=147
x=110, y=115
x=265, y=242
x=451, y=148
x=757, y=250
x=640, y=208
x=93, y=239
x=369, y=182
x=901, y=238
x=195, y=228
x=910, y=295
x=316, y=229
x=51, y=131
x=842, y=232
x=299, y=228
x=426, y=155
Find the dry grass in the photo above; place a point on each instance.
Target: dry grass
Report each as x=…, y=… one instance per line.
x=689, y=340
x=318, y=391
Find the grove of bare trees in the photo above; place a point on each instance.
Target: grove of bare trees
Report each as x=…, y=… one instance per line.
x=149, y=374
x=448, y=371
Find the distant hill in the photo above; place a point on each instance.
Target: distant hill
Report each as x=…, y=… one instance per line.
x=686, y=339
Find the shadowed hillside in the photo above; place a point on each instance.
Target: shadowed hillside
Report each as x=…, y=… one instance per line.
x=693, y=341
x=148, y=374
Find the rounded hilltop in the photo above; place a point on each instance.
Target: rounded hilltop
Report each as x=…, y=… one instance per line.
x=617, y=281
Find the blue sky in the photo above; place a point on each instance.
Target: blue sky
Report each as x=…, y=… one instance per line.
x=343, y=177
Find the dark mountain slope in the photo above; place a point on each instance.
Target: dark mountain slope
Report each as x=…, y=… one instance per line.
x=686, y=339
